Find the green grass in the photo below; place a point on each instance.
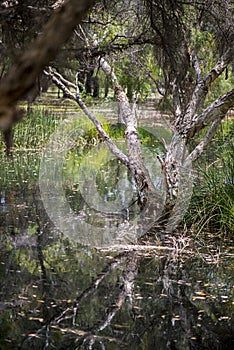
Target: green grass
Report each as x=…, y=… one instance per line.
x=212, y=205
x=30, y=137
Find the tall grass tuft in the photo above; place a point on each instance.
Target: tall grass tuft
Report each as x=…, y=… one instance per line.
x=212, y=205
x=30, y=137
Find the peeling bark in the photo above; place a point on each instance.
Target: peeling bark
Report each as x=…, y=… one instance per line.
x=144, y=183
x=190, y=123
x=202, y=88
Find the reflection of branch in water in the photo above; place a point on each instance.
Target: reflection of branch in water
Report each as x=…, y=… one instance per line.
x=127, y=291
x=90, y=335
x=64, y=315
x=185, y=330
x=41, y=257
x=111, y=266
x=128, y=285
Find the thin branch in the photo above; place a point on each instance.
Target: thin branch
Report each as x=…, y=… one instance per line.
x=63, y=80
x=216, y=110
x=202, y=88
x=198, y=150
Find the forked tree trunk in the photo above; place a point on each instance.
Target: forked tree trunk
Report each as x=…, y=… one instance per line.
x=177, y=162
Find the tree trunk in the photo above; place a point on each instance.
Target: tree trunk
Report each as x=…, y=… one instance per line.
x=107, y=85
x=88, y=82
x=95, y=87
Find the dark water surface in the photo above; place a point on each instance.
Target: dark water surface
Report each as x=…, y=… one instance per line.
x=57, y=295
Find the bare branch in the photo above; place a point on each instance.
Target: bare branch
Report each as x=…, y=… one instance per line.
x=198, y=150
x=63, y=80
x=202, y=88
x=76, y=97
x=217, y=109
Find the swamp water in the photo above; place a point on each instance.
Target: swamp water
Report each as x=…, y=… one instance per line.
x=58, y=294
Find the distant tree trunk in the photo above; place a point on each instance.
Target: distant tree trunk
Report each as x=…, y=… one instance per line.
x=45, y=83
x=120, y=116
x=33, y=94
x=88, y=82
x=130, y=91
x=107, y=85
x=95, y=87
x=41, y=85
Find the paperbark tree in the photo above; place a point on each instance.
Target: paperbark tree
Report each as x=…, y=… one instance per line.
x=185, y=82
x=186, y=79
x=134, y=160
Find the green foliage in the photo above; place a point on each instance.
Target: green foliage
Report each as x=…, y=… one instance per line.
x=204, y=44
x=133, y=70
x=212, y=206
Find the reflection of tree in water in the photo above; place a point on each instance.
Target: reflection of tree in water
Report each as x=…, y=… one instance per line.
x=65, y=297
x=124, y=311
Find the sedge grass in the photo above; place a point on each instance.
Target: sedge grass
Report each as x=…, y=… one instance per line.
x=212, y=205
x=30, y=137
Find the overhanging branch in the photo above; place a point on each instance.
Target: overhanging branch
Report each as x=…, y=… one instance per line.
x=24, y=73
